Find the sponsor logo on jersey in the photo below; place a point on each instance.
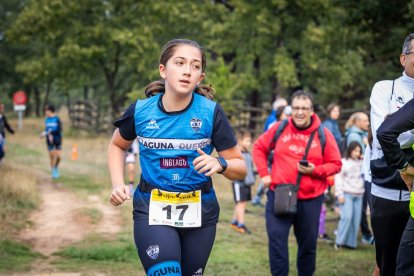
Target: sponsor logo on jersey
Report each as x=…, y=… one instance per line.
x=175, y=177
x=400, y=100
x=181, y=144
x=152, y=125
x=199, y=272
x=196, y=124
x=153, y=251
x=177, y=162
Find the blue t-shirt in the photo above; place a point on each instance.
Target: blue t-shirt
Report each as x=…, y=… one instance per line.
x=53, y=126
x=168, y=143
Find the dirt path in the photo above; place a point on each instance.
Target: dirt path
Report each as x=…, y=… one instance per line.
x=59, y=222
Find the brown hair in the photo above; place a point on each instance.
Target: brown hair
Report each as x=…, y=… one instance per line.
x=300, y=94
x=330, y=107
x=167, y=52
x=353, y=145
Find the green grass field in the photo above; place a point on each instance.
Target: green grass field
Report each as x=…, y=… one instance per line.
x=233, y=253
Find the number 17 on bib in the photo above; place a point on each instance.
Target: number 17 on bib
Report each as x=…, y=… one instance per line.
x=175, y=209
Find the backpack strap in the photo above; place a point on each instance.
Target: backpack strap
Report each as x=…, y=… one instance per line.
x=279, y=131
x=392, y=89
x=322, y=137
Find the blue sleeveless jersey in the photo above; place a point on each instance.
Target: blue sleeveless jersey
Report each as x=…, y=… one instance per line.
x=168, y=143
x=167, y=147
x=52, y=125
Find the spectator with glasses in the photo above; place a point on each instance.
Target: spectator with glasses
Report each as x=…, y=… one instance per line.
x=322, y=161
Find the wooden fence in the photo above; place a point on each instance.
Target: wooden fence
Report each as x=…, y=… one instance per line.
x=88, y=115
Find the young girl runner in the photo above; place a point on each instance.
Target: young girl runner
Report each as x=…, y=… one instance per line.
x=349, y=189
x=175, y=206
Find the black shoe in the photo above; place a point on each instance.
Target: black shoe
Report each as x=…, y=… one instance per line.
x=325, y=238
x=243, y=230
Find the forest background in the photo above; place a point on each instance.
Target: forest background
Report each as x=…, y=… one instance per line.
x=107, y=50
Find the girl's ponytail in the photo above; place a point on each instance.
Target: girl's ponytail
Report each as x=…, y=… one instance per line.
x=154, y=88
x=205, y=90
x=158, y=86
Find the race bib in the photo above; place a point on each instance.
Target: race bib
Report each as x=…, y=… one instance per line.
x=175, y=209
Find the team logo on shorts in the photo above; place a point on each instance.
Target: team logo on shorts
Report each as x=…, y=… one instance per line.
x=196, y=124
x=198, y=272
x=153, y=251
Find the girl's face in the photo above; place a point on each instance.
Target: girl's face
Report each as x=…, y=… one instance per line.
x=183, y=70
x=335, y=112
x=356, y=153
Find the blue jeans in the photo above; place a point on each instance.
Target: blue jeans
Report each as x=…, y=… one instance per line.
x=350, y=218
x=305, y=223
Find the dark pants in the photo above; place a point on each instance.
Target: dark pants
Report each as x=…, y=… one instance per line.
x=305, y=223
x=365, y=229
x=405, y=261
x=178, y=249
x=388, y=220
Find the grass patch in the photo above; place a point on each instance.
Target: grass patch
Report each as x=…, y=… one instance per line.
x=22, y=151
x=98, y=254
x=81, y=183
x=117, y=252
x=15, y=256
x=18, y=196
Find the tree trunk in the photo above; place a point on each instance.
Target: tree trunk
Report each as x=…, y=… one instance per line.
x=37, y=101
x=85, y=92
x=254, y=96
x=29, y=104
x=46, y=98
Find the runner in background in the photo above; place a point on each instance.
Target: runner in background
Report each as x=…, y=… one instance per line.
x=53, y=135
x=4, y=125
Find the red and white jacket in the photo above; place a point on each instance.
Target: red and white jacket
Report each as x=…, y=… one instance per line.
x=289, y=149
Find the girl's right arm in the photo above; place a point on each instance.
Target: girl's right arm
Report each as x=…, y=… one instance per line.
x=116, y=160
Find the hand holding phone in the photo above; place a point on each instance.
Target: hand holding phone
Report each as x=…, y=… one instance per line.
x=304, y=163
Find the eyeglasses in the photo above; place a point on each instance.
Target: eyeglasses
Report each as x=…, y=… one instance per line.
x=408, y=53
x=303, y=108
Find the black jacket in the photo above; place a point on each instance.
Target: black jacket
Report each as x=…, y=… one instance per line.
x=387, y=134
x=4, y=125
